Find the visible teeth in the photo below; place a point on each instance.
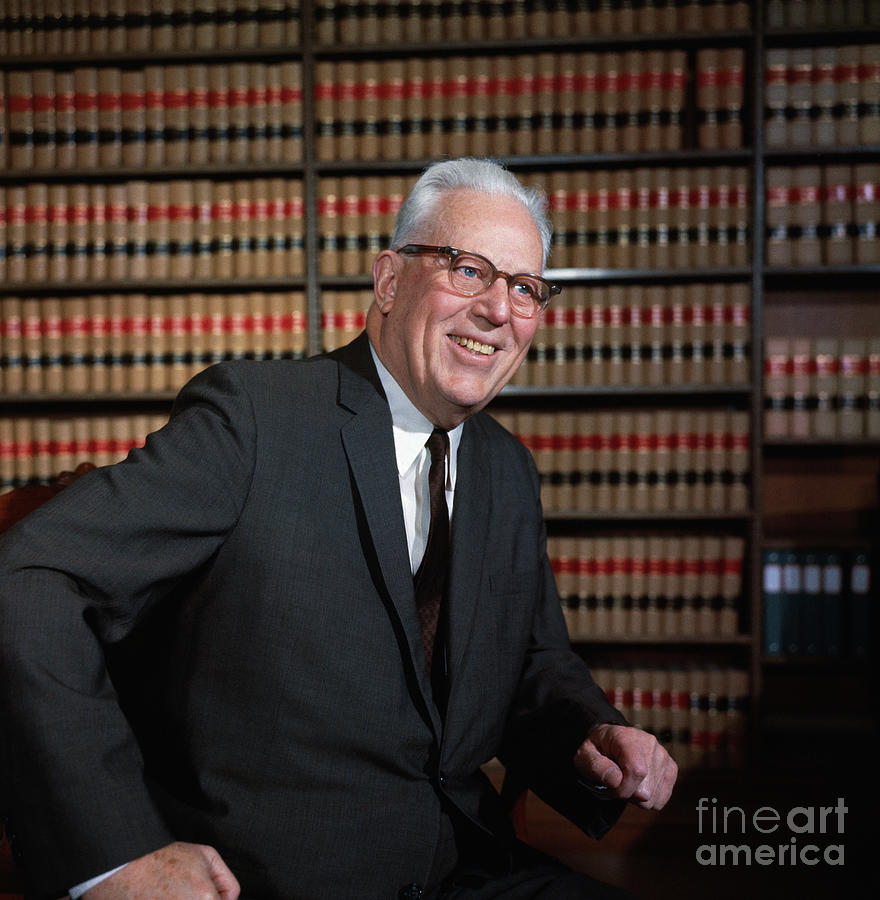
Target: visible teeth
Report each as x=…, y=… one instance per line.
x=472, y=345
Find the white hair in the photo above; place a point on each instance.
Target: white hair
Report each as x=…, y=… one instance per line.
x=483, y=175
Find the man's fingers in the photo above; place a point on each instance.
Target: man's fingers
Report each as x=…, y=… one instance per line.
x=226, y=883
x=596, y=767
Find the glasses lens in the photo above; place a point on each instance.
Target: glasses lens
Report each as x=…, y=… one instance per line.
x=469, y=274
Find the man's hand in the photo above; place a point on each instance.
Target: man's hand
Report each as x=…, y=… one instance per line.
x=631, y=763
x=177, y=872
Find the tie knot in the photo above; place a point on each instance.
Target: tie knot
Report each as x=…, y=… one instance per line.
x=438, y=444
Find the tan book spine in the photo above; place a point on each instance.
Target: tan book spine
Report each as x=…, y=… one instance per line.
x=779, y=250
x=777, y=364
x=690, y=585
x=682, y=218
x=36, y=231
x=800, y=96
x=662, y=471
x=78, y=232
x=732, y=97
x=218, y=113
x=97, y=348
x=677, y=77
x=837, y=215
x=176, y=340
x=641, y=217
x=199, y=331
x=673, y=568
x=181, y=229
x=866, y=177
x=739, y=460
x=721, y=229
x=42, y=119
x=675, y=317
x=21, y=119
x=237, y=326
x=848, y=90
x=660, y=218
x=609, y=102
x=730, y=587
x=294, y=238
x=216, y=331
x=223, y=230
x=709, y=104
x=695, y=364
x=136, y=343
x=198, y=114
x=98, y=230
x=740, y=333
x=620, y=590
x=602, y=440
x=239, y=113
x=117, y=323
x=393, y=79
x=719, y=440
x=158, y=229
x=242, y=229
x=852, y=387
x=12, y=340
x=701, y=190
x=717, y=341
x=336, y=103
x=32, y=345
x=636, y=348
x=154, y=116
x=826, y=368
x=545, y=456
x=588, y=119
x=329, y=227
x=566, y=100
x=806, y=216
x=822, y=96
x=157, y=343
x=797, y=400
x=872, y=381
x=776, y=96
x=585, y=455
x=415, y=108
x=291, y=110
x=869, y=95
x=133, y=118
x=370, y=112
x=109, y=116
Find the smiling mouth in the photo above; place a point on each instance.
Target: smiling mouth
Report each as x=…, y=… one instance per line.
x=472, y=345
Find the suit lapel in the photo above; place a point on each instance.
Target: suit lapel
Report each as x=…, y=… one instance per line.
x=470, y=527
x=369, y=446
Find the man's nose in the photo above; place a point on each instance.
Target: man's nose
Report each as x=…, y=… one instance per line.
x=493, y=304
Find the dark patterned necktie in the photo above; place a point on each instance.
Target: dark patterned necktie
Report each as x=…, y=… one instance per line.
x=433, y=571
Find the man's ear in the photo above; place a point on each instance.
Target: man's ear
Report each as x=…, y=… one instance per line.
x=385, y=279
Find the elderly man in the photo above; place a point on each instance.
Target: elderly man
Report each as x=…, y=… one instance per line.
x=268, y=654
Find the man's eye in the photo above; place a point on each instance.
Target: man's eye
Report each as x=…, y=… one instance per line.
x=469, y=272
x=525, y=289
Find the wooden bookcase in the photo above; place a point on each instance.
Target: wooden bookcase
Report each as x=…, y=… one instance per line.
x=398, y=42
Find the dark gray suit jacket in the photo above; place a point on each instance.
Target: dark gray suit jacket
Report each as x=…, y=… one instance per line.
x=216, y=641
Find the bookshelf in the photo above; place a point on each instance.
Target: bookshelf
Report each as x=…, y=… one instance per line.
x=187, y=185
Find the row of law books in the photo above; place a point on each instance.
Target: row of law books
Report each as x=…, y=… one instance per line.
x=649, y=217
x=153, y=115
x=697, y=711
x=821, y=13
x=433, y=21
x=649, y=586
x=637, y=461
x=152, y=230
x=131, y=343
x=822, y=387
x=86, y=27
x=526, y=104
x=823, y=215
x=653, y=335
x=35, y=449
x=632, y=218
x=818, y=602
x=822, y=96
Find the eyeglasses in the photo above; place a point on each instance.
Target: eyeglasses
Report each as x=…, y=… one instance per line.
x=471, y=274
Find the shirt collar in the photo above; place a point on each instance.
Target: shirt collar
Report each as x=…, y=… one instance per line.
x=411, y=428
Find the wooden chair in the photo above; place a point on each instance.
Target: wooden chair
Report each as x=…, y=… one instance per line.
x=15, y=505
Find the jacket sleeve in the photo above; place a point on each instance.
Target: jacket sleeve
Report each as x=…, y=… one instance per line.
x=76, y=576
x=556, y=705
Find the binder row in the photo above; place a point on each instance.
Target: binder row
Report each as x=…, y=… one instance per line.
x=633, y=461
x=655, y=335
x=120, y=343
x=59, y=27
x=35, y=449
x=526, y=104
x=439, y=21
x=698, y=712
x=138, y=230
x=641, y=218
x=822, y=387
x=654, y=218
x=818, y=602
x=822, y=96
x=154, y=115
x=823, y=215
x=649, y=585
x=819, y=13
